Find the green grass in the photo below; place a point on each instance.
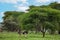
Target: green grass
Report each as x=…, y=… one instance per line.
x=15, y=36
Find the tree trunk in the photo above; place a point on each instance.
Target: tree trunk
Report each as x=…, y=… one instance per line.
x=59, y=32
x=43, y=32
x=19, y=31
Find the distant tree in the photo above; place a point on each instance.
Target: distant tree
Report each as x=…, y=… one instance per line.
x=10, y=20
x=55, y=5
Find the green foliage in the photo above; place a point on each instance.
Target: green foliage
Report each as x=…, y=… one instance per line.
x=10, y=20
x=39, y=18
x=55, y=5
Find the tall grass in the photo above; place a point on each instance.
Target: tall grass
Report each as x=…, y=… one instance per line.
x=16, y=36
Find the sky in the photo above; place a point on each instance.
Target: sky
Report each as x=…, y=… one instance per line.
x=20, y=5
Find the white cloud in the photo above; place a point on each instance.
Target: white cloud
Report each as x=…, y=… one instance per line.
x=58, y=1
x=44, y=1
x=13, y=1
x=19, y=7
x=8, y=1
x=1, y=15
x=23, y=1
x=22, y=8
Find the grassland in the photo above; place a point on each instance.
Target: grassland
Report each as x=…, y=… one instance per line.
x=15, y=36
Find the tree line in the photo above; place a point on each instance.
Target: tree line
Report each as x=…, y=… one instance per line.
x=38, y=19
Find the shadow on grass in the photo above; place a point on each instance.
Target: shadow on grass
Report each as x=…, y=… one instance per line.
x=2, y=37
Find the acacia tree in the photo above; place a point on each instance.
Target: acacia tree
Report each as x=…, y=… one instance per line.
x=10, y=20
x=52, y=18
x=36, y=18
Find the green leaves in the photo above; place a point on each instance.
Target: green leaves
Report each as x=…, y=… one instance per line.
x=47, y=16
